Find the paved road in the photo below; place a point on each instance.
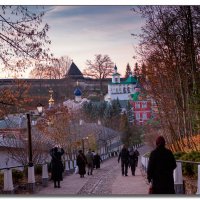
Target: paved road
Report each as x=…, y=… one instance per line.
x=105, y=181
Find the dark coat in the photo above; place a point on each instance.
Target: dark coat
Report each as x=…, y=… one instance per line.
x=56, y=164
x=81, y=162
x=97, y=160
x=124, y=155
x=132, y=158
x=160, y=170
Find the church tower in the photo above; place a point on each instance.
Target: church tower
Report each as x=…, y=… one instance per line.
x=77, y=93
x=115, y=76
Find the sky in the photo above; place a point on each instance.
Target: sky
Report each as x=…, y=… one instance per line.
x=81, y=32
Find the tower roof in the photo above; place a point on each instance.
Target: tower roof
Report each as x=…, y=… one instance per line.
x=74, y=71
x=115, y=73
x=77, y=92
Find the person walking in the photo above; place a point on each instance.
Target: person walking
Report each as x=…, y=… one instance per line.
x=90, y=157
x=97, y=160
x=160, y=169
x=94, y=161
x=81, y=162
x=132, y=160
x=56, y=165
x=124, y=156
x=137, y=155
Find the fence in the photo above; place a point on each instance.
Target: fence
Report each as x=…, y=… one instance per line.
x=178, y=176
x=70, y=165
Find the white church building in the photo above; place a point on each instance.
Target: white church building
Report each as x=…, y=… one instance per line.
x=121, y=90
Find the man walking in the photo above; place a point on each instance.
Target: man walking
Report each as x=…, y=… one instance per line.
x=90, y=158
x=124, y=156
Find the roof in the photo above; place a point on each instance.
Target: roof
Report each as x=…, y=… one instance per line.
x=74, y=71
x=13, y=122
x=77, y=92
x=114, y=74
x=130, y=80
x=135, y=96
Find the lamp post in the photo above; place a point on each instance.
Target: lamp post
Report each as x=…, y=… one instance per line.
x=30, y=151
x=31, y=174
x=83, y=145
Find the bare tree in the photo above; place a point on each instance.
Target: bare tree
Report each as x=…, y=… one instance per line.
x=100, y=68
x=53, y=69
x=22, y=36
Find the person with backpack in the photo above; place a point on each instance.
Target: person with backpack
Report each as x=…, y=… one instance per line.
x=124, y=156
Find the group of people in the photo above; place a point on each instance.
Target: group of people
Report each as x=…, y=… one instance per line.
x=91, y=160
x=159, y=171
x=129, y=158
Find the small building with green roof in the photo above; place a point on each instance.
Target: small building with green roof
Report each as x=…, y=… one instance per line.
x=122, y=90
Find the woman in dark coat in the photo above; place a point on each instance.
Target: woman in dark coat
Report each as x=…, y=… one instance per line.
x=97, y=160
x=56, y=166
x=81, y=162
x=160, y=169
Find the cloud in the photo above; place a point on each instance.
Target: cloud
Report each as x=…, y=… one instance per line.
x=80, y=32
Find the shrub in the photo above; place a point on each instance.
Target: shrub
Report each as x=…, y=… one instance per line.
x=179, y=154
x=38, y=169
x=17, y=175
x=190, y=169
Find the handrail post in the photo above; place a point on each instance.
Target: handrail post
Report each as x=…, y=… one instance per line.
x=8, y=181
x=31, y=178
x=198, y=181
x=178, y=179
x=45, y=175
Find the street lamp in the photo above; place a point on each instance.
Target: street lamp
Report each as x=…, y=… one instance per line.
x=85, y=138
x=30, y=151
x=51, y=100
x=40, y=108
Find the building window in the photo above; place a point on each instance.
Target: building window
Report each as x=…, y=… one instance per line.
x=128, y=89
x=137, y=105
x=116, y=80
x=144, y=104
x=144, y=116
x=137, y=116
x=116, y=90
x=124, y=90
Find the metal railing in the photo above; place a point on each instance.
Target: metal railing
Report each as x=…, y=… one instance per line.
x=178, y=176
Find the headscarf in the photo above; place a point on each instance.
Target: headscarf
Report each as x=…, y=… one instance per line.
x=160, y=141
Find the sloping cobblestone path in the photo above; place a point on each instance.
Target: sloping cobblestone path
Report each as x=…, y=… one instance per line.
x=101, y=182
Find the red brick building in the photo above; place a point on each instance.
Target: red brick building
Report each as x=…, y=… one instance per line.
x=141, y=111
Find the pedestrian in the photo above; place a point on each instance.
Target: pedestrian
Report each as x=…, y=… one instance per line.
x=81, y=162
x=137, y=155
x=132, y=160
x=160, y=169
x=124, y=156
x=89, y=157
x=94, y=161
x=57, y=167
x=97, y=160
